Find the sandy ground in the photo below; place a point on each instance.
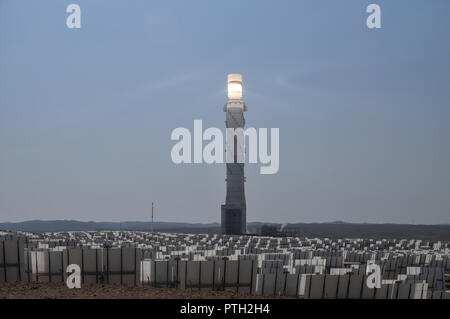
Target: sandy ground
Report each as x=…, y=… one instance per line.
x=60, y=291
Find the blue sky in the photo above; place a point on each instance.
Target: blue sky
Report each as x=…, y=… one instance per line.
x=86, y=115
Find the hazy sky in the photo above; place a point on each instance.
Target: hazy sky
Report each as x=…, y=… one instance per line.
x=86, y=115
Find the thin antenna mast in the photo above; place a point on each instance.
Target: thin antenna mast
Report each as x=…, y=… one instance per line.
x=152, y=216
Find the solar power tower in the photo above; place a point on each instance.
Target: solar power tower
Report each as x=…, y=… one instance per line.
x=233, y=212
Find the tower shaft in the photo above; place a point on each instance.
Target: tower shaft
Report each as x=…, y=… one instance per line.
x=234, y=211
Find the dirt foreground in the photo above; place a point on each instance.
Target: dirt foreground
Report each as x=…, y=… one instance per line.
x=60, y=291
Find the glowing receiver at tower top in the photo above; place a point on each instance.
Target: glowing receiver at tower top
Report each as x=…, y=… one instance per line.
x=234, y=86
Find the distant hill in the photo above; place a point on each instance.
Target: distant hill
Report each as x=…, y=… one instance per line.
x=39, y=226
x=336, y=229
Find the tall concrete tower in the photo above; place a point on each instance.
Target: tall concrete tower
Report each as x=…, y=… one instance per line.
x=234, y=218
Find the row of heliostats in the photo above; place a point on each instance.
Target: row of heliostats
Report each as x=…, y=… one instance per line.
x=373, y=279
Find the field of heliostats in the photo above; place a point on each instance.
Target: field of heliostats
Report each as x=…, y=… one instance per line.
x=122, y=264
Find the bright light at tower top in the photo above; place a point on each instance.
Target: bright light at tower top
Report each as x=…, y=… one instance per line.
x=234, y=86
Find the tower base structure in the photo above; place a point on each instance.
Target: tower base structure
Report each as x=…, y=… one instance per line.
x=233, y=219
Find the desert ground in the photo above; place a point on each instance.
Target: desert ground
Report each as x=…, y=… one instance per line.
x=60, y=291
